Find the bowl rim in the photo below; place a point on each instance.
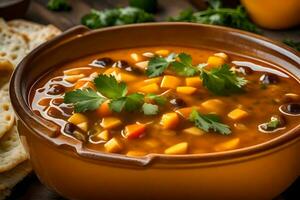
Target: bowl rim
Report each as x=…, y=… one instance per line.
x=25, y=114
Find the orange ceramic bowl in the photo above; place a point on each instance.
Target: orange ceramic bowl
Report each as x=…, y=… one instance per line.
x=257, y=172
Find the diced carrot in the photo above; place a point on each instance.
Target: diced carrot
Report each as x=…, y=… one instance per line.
x=186, y=90
x=193, y=81
x=169, y=120
x=151, y=88
x=104, y=110
x=170, y=82
x=134, y=131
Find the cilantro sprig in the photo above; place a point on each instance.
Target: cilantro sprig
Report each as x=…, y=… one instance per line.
x=209, y=122
x=220, y=80
x=108, y=88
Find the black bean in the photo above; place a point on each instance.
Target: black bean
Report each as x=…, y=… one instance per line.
x=178, y=103
x=269, y=79
x=293, y=108
x=70, y=128
x=55, y=89
x=104, y=61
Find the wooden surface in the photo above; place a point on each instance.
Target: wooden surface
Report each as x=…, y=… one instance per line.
x=31, y=188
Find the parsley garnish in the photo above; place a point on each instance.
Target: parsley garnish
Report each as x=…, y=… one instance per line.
x=150, y=109
x=160, y=100
x=184, y=67
x=157, y=65
x=117, y=16
x=83, y=100
x=110, y=87
x=218, y=15
x=292, y=43
x=222, y=81
x=58, y=5
x=209, y=122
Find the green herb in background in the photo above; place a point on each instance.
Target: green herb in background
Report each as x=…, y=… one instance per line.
x=218, y=15
x=292, y=43
x=58, y=5
x=146, y=5
x=118, y=16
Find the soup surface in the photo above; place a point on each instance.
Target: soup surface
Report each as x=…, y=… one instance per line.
x=169, y=100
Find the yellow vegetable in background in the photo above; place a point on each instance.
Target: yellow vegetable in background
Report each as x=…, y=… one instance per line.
x=274, y=14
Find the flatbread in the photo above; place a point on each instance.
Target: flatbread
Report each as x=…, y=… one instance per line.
x=10, y=179
x=36, y=34
x=12, y=152
x=13, y=46
x=7, y=116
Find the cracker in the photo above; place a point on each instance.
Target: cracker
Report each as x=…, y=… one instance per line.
x=36, y=33
x=6, y=69
x=6, y=111
x=13, y=46
x=10, y=178
x=12, y=152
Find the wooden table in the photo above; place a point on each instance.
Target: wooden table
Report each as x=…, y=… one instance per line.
x=31, y=188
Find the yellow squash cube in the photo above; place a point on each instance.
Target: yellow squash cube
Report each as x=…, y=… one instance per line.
x=169, y=120
x=180, y=148
x=186, y=90
x=113, y=146
x=110, y=122
x=215, y=61
x=231, y=144
x=170, y=82
x=162, y=52
x=193, y=81
x=213, y=105
x=193, y=131
x=151, y=88
x=237, y=114
x=77, y=118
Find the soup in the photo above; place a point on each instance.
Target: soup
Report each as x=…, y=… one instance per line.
x=167, y=100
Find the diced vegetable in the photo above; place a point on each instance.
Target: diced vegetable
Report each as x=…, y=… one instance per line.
x=180, y=148
x=193, y=131
x=142, y=65
x=134, y=131
x=135, y=57
x=104, y=135
x=170, y=82
x=83, y=126
x=240, y=126
x=136, y=153
x=153, y=80
x=215, y=61
x=237, y=114
x=104, y=110
x=213, y=105
x=222, y=55
x=80, y=84
x=73, y=78
x=126, y=77
x=186, y=90
x=231, y=144
x=110, y=122
x=162, y=52
x=77, y=118
x=113, y=146
x=151, y=88
x=185, y=112
x=193, y=81
x=169, y=120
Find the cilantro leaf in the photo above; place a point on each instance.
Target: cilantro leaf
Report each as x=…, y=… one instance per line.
x=222, y=81
x=150, y=109
x=108, y=86
x=83, y=100
x=184, y=67
x=157, y=65
x=117, y=105
x=134, y=102
x=160, y=100
x=209, y=122
x=58, y=5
